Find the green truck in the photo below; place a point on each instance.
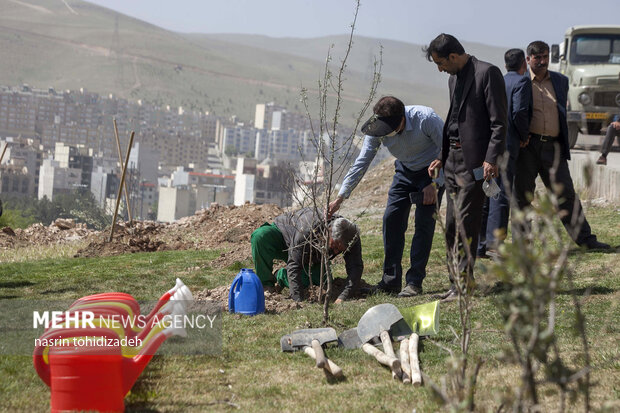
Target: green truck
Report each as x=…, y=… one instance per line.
x=590, y=57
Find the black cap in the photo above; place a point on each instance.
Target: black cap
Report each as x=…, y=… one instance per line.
x=381, y=125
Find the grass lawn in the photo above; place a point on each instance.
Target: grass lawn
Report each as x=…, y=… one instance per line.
x=251, y=374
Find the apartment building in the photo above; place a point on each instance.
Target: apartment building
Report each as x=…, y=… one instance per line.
x=263, y=183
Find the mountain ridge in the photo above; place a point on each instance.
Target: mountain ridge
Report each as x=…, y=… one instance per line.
x=46, y=43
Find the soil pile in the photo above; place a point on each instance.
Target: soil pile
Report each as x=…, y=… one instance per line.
x=275, y=303
x=58, y=232
x=218, y=227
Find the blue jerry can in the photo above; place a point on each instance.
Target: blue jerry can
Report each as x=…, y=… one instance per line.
x=246, y=295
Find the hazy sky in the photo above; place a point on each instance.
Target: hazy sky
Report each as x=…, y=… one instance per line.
x=494, y=22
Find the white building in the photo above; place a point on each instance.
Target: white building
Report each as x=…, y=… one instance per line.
x=238, y=140
x=104, y=184
x=285, y=145
x=181, y=201
x=144, y=160
x=174, y=203
x=244, y=181
x=263, y=115
x=54, y=180
x=265, y=183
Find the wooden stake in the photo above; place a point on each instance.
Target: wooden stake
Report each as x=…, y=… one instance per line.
x=120, y=188
x=120, y=161
x=6, y=145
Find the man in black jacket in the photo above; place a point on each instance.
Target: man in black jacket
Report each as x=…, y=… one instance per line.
x=297, y=238
x=473, y=138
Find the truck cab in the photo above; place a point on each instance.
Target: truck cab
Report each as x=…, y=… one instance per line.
x=590, y=58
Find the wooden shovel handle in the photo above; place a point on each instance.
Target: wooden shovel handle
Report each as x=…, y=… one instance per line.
x=388, y=349
x=404, y=360
x=391, y=362
x=414, y=361
x=330, y=367
x=320, y=355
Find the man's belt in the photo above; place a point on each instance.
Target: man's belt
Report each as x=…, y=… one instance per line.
x=542, y=138
x=455, y=143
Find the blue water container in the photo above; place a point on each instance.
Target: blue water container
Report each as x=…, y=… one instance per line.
x=246, y=295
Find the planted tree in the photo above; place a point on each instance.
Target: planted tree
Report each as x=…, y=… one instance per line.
x=331, y=147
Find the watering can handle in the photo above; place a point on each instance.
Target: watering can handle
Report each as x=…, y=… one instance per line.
x=391, y=362
x=231, y=294
x=416, y=377
x=330, y=367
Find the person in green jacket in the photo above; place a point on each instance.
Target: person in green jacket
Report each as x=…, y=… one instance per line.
x=295, y=238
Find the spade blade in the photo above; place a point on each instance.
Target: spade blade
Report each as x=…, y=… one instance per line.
x=377, y=319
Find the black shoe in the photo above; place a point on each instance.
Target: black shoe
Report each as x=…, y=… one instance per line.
x=410, y=290
x=602, y=160
x=596, y=245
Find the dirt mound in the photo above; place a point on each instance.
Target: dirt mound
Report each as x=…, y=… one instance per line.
x=275, y=303
x=139, y=237
x=59, y=232
x=218, y=227
x=210, y=228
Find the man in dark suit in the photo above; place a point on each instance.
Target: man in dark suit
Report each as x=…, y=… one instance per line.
x=548, y=140
x=519, y=95
x=473, y=138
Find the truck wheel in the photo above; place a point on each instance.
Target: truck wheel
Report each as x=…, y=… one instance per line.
x=573, y=132
x=594, y=128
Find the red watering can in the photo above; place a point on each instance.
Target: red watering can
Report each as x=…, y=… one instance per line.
x=94, y=377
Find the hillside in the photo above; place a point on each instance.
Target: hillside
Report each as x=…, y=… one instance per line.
x=48, y=43
x=402, y=61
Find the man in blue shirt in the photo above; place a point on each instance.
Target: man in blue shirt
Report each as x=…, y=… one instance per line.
x=413, y=135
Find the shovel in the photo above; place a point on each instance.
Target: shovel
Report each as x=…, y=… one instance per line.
x=315, y=338
x=286, y=345
x=424, y=321
x=377, y=322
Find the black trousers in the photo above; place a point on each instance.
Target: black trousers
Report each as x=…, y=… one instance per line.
x=538, y=158
x=395, y=221
x=464, y=213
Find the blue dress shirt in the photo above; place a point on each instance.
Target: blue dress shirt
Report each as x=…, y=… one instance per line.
x=416, y=146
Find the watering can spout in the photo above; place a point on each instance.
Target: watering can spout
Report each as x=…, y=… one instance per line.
x=133, y=367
